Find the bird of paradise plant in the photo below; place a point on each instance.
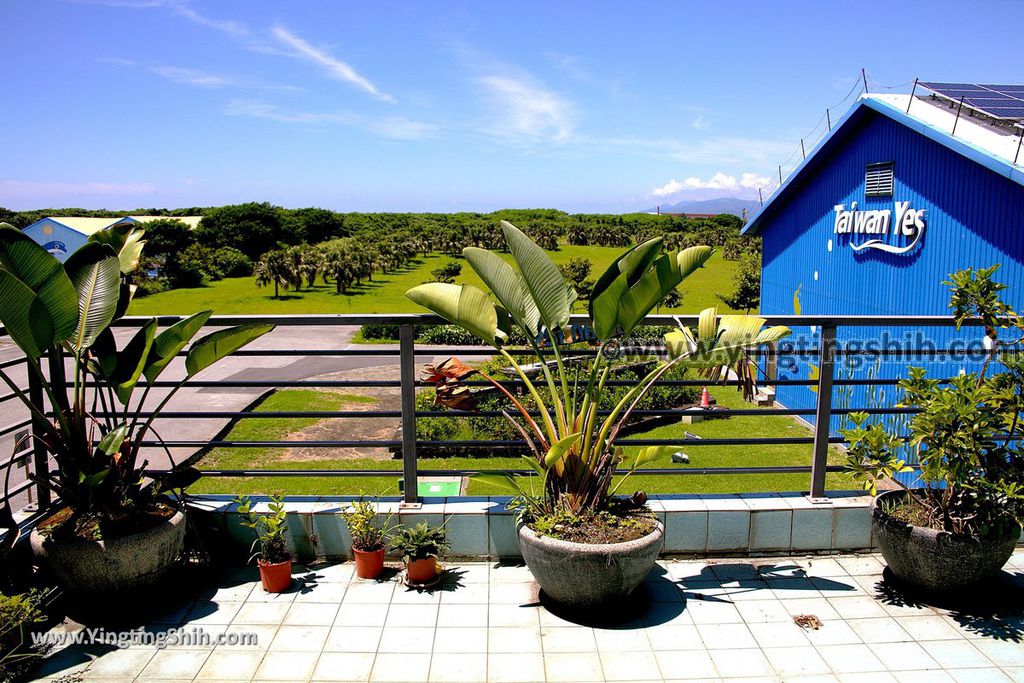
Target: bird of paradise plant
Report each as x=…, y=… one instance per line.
x=574, y=449
x=93, y=428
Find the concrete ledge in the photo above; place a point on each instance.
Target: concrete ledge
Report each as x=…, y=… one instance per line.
x=483, y=527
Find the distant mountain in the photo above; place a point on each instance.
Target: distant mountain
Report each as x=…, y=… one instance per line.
x=731, y=205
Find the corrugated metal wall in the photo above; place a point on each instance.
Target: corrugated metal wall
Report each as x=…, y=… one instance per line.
x=973, y=218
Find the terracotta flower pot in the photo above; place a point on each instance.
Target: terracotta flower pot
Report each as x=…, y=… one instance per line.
x=369, y=563
x=421, y=571
x=276, y=576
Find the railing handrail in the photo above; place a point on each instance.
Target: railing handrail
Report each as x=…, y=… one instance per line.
x=406, y=351
x=661, y=319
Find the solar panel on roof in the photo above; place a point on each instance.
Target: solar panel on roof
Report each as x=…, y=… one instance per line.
x=998, y=101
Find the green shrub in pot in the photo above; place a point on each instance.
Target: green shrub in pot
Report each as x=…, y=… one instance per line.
x=271, y=528
x=961, y=524
x=573, y=446
x=420, y=547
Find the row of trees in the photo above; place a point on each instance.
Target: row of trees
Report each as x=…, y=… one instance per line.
x=344, y=262
x=289, y=246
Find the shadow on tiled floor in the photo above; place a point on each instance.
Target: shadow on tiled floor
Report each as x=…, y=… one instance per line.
x=716, y=619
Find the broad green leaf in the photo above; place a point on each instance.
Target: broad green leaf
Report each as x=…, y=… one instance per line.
x=648, y=291
x=541, y=276
x=504, y=482
x=604, y=309
x=96, y=276
x=613, y=283
x=104, y=352
x=649, y=454
x=131, y=360
x=111, y=442
x=680, y=343
x=94, y=480
x=645, y=277
x=217, y=345
x=171, y=341
x=24, y=316
x=43, y=275
x=124, y=299
x=126, y=241
x=534, y=465
x=692, y=258
x=737, y=332
x=560, y=448
x=465, y=305
x=631, y=263
x=706, y=325
x=506, y=285
x=772, y=334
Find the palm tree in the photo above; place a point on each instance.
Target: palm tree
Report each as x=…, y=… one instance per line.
x=272, y=268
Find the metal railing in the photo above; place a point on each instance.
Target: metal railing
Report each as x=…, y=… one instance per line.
x=406, y=352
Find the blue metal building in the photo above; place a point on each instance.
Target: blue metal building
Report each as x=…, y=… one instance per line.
x=880, y=213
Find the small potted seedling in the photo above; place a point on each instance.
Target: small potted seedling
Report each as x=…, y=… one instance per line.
x=274, y=560
x=420, y=546
x=369, y=541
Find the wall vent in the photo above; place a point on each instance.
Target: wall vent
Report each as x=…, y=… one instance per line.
x=878, y=180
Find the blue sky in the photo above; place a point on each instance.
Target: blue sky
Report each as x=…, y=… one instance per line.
x=447, y=106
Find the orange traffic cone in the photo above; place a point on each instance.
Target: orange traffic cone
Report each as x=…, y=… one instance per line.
x=705, y=398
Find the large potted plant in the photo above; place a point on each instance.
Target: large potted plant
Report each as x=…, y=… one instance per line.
x=960, y=522
x=114, y=528
x=584, y=544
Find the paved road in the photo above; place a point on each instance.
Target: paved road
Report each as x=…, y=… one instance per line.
x=283, y=368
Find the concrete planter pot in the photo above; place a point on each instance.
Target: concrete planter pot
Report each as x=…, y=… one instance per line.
x=584, y=575
x=92, y=568
x=936, y=560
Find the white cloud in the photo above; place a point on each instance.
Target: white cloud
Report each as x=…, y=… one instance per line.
x=393, y=127
x=718, y=182
x=524, y=110
x=754, y=181
x=203, y=79
x=334, y=66
x=233, y=28
x=701, y=123
x=191, y=77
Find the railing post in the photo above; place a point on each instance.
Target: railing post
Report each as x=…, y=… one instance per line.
x=40, y=458
x=407, y=369
x=823, y=412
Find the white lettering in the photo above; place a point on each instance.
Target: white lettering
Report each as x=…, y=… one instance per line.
x=909, y=223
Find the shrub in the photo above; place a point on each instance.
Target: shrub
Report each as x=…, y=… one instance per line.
x=150, y=285
x=18, y=614
x=232, y=263
x=379, y=331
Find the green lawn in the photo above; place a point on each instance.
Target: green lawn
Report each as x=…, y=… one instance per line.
x=707, y=456
x=386, y=294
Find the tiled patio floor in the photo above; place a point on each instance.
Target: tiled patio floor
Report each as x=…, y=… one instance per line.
x=702, y=620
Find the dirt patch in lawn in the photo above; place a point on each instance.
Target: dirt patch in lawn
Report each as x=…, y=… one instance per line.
x=353, y=429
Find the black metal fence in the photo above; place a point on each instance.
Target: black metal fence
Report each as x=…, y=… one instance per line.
x=30, y=457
